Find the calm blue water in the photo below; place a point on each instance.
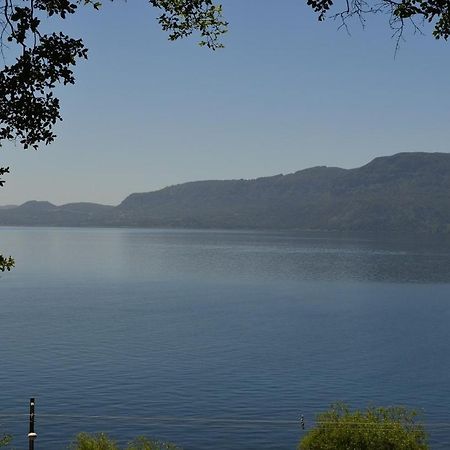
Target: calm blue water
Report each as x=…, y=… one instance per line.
x=211, y=325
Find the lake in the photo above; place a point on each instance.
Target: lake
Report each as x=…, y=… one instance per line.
x=216, y=339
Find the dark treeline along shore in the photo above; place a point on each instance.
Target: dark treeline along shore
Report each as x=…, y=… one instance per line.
x=405, y=192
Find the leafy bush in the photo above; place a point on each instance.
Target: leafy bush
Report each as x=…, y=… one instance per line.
x=85, y=441
x=5, y=440
x=391, y=428
x=142, y=443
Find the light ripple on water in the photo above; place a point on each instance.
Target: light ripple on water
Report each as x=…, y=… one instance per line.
x=218, y=325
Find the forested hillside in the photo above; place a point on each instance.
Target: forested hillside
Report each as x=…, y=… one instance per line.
x=404, y=192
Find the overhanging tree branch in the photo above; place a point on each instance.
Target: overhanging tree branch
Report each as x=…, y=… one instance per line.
x=400, y=13
x=6, y=263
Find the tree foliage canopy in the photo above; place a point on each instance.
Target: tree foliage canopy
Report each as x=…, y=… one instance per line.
x=29, y=107
x=4, y=440
x=85, y=441
x=391, y=428
x=399, y=12
x=6, y=263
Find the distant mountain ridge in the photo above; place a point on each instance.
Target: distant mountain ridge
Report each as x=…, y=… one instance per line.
x=403, y=192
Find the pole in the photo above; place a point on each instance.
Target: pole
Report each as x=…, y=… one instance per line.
x=31, y=435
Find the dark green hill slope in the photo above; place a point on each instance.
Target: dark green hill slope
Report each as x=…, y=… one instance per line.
x=34, y=213
x=404, y=192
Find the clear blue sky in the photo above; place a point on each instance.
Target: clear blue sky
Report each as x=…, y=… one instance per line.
x=286, y=93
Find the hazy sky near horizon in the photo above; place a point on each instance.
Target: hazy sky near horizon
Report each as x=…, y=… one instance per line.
x=285, y=94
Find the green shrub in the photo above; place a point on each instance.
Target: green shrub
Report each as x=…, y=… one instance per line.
x=85, y=441
x=142, y=443
x=5, y=440
x=391, y=428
